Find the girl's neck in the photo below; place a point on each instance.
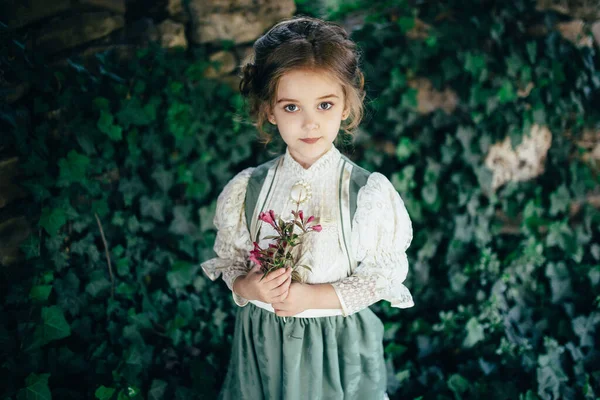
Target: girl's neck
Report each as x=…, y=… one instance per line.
x=307, y=162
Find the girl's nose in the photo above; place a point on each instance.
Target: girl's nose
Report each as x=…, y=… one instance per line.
x=310, y=124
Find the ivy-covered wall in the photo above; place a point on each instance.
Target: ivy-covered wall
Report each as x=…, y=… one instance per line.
x=485, y=119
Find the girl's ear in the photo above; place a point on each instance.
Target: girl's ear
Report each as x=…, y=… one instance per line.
x=272, y=119
x=345, y=114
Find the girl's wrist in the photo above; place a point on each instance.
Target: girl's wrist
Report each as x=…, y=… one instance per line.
x=323, y=295
x=238, y=286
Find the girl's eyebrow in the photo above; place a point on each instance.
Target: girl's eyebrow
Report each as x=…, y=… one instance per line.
x=296, y=101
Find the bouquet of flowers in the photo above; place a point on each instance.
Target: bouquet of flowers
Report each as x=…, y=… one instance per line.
x=279, y=253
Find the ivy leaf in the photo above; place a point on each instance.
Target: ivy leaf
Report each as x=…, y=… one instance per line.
x=52, y=220
x=207, y=215
x=474, y=333
x=54, y=326
x=163, y=178
x=73, y=168
x=132, y=113
x=101, y=103
x=507, y=93
x=98, y=284
x=152, y=208
x=181, y=224
x=182, y=275
x=585, y=328
x=157, y=390
x=104, y=393
x=409, y=99
x=458, y=384
x=130, y=188
x=531, y=51
x=37, y=388
x=39, y=190
x=404, y=181
x=474, y=64
x=31, y=247
x=559, y=200
x=406, y=23
x=107, y=126
x=40, y=293
x=404, y=149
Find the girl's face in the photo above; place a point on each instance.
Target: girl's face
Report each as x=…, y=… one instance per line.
x=308, y=111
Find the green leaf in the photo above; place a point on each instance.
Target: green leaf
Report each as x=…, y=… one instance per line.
x=36, y=388
x=100, y=207
x=458, y=384
x=474, y=333
x=104, y=393
x=507, y=92
x=102, y=103
x=406, y=23
x=182, y=275
x=52, y=220
x=531, y=51
x=152, y=208
x=130, y=188
x=107, y=126
x=409, y=99
x=560, y=200
x=98, y=284
x=157, y=390
x=31, y=246
x=474, y=64
x=404, y=149
x=397, y=79
x=73, y=168
x=54, y=326
x=403, y=181
x=163, y=178
x=40, y=293
x=133, y=113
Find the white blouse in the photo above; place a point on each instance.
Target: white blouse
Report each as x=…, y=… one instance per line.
x=381, y=233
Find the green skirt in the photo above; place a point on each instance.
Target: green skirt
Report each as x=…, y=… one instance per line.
x=322, y=358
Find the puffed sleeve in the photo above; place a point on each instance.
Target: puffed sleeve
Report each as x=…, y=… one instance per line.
x=232, y=244
x=381, y=233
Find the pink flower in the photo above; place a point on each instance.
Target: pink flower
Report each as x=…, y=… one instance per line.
x=269, y=217
x=317, y=228
x=254, y=257
x=301, y=215
x=310, y=219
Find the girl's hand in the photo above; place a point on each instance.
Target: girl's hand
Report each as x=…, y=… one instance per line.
x=298, y=299
x=273, y=288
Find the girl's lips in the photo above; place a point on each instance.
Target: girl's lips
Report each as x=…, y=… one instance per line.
x=310, y=141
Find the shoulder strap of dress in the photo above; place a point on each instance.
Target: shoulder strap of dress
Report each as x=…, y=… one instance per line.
x=255, y=185
x=358, y=178
x=352, y=178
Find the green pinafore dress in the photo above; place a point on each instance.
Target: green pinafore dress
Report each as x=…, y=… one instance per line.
x=305, y=358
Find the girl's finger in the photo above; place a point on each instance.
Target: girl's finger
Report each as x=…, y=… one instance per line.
x=281, y=280
x=274, y=275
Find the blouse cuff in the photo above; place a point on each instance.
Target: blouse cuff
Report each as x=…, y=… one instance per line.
x=345, y=310
x=213, y=269
x=239, y=300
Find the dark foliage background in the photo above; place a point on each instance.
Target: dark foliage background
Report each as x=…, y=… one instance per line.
x=123, y=162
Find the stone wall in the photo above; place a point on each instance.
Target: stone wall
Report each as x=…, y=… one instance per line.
x=63, y=28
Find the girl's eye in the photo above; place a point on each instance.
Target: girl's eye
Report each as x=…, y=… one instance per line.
x=325, y=105
x=291, y=108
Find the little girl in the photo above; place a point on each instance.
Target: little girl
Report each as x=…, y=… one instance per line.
x=315, y=339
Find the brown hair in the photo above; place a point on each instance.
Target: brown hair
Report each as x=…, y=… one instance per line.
x=302, y=42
